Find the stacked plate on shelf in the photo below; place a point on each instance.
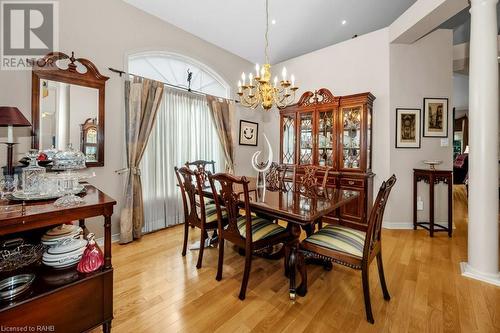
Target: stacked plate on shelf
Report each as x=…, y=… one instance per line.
x=65, y=247
x=60, y=233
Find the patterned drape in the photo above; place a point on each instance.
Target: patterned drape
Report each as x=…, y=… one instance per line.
x=183, y=131
x=222, y=112
x=142, y=99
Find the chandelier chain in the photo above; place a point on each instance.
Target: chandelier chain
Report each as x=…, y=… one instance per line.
x=267, y=33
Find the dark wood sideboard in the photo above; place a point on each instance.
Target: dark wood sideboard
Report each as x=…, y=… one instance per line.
x=335, y=132
x=71, y=302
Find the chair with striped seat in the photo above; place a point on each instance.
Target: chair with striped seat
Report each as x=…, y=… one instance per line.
x=349, y=247
x=197, y=212
x=245, y=231
x=202, y=167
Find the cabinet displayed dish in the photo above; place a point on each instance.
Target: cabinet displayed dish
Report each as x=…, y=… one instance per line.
x=63, y=260
x=58, y=234
x=21, y=196
x=14, y=286
x=64, y=248
x=16, y=254
x=65, y=254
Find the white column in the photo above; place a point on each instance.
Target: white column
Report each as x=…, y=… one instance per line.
x=63, y=116
x=483, y=145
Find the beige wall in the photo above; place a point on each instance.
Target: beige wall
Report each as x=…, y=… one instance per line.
x=354, y=66
x=422, y=69
x=104, y=32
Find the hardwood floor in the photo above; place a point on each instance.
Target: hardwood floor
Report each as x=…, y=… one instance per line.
x=157, y=290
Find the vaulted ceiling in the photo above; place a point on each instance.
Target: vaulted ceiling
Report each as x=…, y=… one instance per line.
x=301, y=26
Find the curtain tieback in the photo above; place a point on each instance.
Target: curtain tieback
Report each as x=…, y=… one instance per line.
x=133, y=170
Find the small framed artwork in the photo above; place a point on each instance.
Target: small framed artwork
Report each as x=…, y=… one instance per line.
x=436, y=117
x=407, y=128
x=249, y=133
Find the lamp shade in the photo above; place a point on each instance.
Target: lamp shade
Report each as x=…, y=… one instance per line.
x=11, y=116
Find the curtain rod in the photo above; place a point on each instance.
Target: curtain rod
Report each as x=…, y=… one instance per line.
x=169, y=85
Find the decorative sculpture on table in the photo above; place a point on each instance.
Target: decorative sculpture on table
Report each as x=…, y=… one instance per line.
x=69, y=161
x=92, y=258
x=262, y=167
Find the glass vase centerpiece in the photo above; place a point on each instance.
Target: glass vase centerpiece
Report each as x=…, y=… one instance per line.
x=68, y=161
x=32, y=175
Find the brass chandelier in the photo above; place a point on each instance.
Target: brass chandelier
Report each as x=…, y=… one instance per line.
x=260, y=90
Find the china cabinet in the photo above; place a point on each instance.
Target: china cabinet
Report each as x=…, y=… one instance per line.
x=335, y=132
x=89, y=139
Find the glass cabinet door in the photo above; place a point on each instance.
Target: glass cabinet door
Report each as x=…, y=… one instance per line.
x=305, y=125
x=288, y=148
x=351, y=137
x=325, y=138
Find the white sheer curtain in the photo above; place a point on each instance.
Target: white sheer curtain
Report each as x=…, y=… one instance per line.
x=183, y=132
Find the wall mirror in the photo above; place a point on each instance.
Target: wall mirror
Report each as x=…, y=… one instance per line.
x=67, y=106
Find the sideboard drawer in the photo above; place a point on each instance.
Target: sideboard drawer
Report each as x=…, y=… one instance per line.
x=352, y=182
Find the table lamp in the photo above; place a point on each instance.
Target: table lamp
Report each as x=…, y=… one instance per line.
x=11, y=117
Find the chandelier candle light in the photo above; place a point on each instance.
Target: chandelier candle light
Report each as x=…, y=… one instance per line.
x=260, y=90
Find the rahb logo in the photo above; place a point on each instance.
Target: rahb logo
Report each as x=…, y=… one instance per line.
x=29, y=30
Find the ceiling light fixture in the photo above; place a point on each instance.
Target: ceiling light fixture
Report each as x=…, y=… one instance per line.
x=344, y=22
x=273, y=21
x=259, y=90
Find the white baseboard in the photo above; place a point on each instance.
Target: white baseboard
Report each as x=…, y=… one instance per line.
x=470, y=272
x=114, y=238
x=397, y=225
x=406, y=225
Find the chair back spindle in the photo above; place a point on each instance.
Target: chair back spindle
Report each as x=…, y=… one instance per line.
x=222, y=185
x=374, y=230
x=310, y=183
x=202, y=167
x=190, y=183
x=275, y=178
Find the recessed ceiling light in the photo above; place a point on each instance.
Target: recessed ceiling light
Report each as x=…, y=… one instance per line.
x=344, y=22
x=273, y=21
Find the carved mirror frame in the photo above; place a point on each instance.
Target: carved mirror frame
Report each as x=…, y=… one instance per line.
x=46, y=69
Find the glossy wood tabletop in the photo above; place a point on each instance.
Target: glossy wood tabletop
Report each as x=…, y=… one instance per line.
x=293, y=206
x=44, y=213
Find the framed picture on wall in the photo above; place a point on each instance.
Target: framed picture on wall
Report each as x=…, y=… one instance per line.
x=249, y=133
x=436, y=117
x=407, y=128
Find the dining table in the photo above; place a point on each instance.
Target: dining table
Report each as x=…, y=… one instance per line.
x=299, y=209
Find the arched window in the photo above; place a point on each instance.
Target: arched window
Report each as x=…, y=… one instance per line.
x=183, y=131
x=173, y=69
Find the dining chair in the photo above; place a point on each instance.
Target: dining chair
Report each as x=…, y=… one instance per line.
x=202, y=167
x=348, y=247
x=246, y=231
x=197, y=213
x=311, y=182
x=275, y=177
